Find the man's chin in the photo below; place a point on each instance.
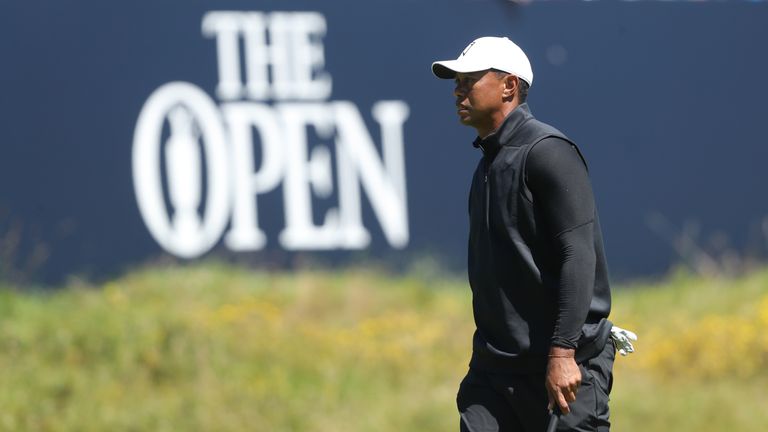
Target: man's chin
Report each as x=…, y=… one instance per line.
x=465, y=120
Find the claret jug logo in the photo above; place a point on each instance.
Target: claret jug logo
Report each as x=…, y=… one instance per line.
x=194, y=164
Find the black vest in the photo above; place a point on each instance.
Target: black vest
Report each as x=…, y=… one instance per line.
x=513, y=268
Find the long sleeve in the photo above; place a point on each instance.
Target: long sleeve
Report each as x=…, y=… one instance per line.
x=562, y=195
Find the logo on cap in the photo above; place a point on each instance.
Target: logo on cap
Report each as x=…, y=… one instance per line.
x=463, y=53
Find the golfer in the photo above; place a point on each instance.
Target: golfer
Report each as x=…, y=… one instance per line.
x=537, y=268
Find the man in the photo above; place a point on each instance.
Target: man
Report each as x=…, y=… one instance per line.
x=537, y=268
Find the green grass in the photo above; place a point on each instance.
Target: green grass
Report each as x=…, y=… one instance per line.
x=217, y=348
x=643, y=403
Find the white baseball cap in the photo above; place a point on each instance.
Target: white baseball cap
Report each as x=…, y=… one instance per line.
x=485, y=53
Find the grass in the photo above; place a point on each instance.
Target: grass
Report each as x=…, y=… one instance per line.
x=217, y=348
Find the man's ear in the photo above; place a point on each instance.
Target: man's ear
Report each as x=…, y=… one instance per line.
x=511, y=82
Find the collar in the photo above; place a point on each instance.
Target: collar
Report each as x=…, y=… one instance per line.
x=502, y=136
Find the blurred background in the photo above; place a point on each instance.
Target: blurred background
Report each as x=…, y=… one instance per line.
x=242, y=215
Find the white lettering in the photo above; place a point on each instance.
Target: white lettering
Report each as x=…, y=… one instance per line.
x=187, y=108
x=257, y=55
x=288, y=42
x=308, y=81
x=241, y=118
x=385, y=184
x=283, y=60
x=302, y=172
x=225, y=27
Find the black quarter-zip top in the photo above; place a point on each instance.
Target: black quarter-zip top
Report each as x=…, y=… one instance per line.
x=515, y=265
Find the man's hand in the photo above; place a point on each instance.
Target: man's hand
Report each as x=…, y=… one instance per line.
x=563, y=378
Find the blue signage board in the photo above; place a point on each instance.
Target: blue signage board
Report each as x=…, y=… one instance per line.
x=271, y=132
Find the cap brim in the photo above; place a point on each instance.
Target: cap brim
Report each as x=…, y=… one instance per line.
x=442, y=71
x=447, y=69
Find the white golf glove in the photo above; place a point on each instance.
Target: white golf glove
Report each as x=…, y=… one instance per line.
x=623, y=340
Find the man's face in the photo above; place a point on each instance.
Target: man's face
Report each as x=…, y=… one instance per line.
x=479, y=98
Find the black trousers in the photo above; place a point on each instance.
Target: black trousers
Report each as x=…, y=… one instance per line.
x=492, y=402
